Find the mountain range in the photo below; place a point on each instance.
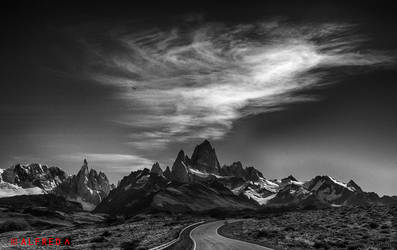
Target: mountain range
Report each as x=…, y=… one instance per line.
x=193, y=184
x=29, y=179
x=198, y=184
x=87, y=187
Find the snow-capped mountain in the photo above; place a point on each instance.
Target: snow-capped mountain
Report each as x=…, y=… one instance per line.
x=146, y=190
x=29, y=179
x=193, y=184
x=198, y=184
x=87, y=187
x=326, y=191
x=291, y=194
x=8, y=190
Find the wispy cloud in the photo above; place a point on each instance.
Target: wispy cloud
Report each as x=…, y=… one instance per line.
x=194, y=82
x=118, y=163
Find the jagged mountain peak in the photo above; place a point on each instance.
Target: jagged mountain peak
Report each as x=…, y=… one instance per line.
x=332, y=191
x=33, y=175
x=354, y=185
x=142, y=191
x=204, y=158
x=204, y=164
x=237, y=164
x=87, y=187
x=181, y=154
x=253, y=174
x=198, y=183
x=236, y=169
x=84, y=169
x=180, y=168
x=102, y=175
x=204, y=146
x=156, y=169
x=167, y=173
x=290, y=178
x=206, y=143
x=133, y=177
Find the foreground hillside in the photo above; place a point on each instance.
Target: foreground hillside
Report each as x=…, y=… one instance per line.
x=349, y=228
x=373, y=227
x=139, y=232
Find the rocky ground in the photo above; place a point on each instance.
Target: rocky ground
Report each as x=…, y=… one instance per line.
x=89, y=231
x=372, y=227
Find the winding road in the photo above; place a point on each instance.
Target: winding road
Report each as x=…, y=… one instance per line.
x=206, y=237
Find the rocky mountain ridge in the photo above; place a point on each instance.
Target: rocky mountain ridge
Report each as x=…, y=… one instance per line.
x=193, y=184
x=87, y=187
x=198, y=184
x=29, y=179
x=34, y=175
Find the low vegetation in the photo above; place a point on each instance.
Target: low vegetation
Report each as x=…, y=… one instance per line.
x=139, y=232
x=373, y=227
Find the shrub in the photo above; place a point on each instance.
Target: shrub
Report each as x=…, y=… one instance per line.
x=289, y=228
x=338, y=244
x=321, y=245
x=261, y=234
x=373, y=225
x=130, y=245
x=14, y=225
x=365, y=236
x=106, y=233
x=384, y=231
x=114, y=220
x=265, y=234
x=99, y=239
x=137, y=218
x=355, y=246
x=384, y=226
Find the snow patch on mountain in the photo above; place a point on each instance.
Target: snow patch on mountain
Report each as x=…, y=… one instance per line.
x=202, y=174
x=8, y=190
x=29, y=179
x=198, y=173
x=299, y=183
x=252, y=194
x=341, y=183
x=266, y=184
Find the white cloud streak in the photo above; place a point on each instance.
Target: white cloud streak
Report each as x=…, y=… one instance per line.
x=118, y=163
x=187, y=83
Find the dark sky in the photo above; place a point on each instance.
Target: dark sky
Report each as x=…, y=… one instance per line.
x=288, y=88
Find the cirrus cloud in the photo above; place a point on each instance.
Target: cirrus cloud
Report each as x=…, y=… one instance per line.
x=192, y=82
x=117, y=163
